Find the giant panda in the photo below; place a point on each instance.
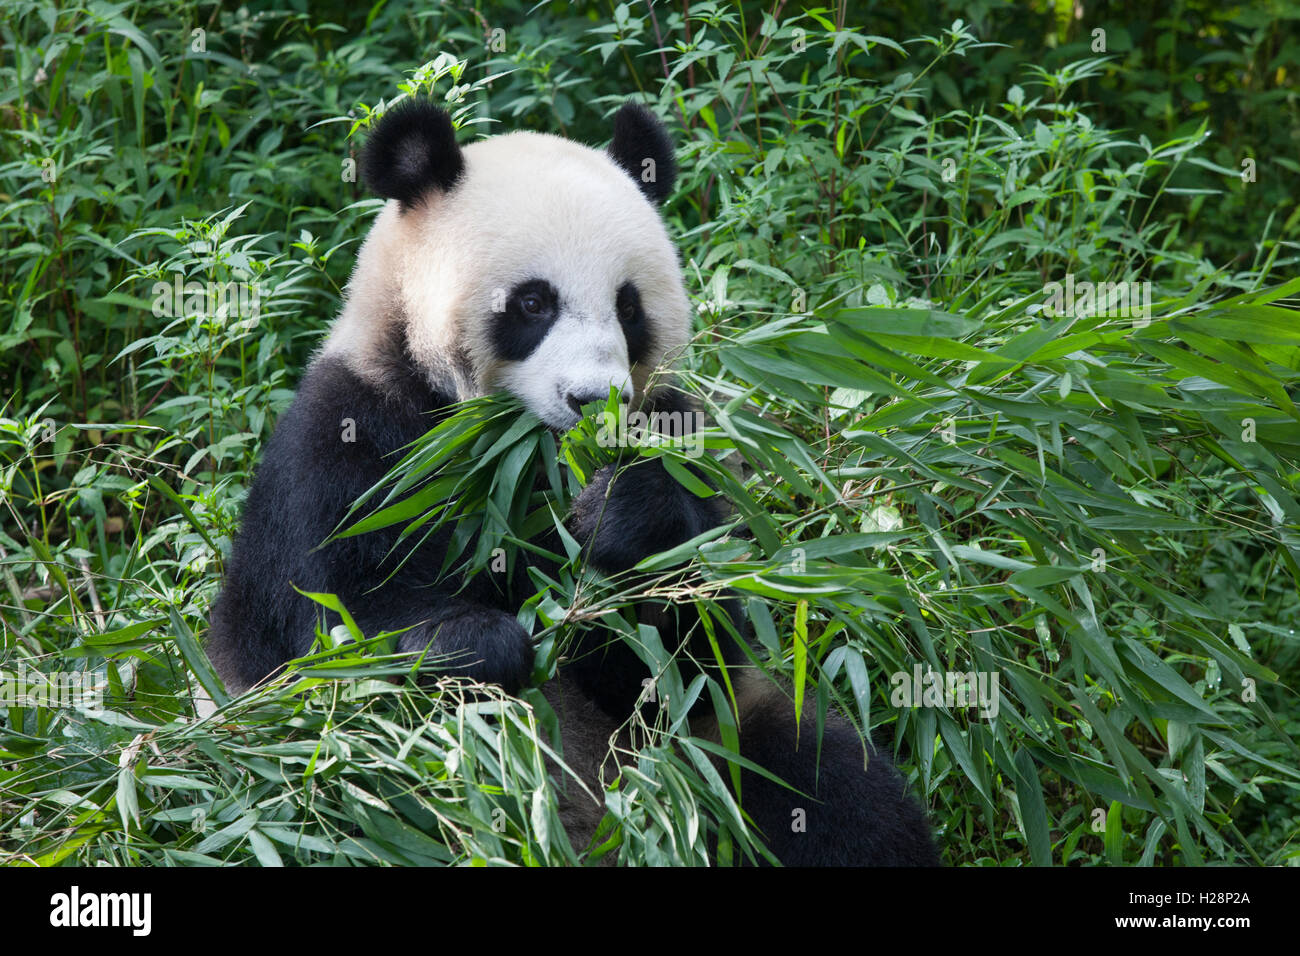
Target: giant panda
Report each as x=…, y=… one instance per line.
x=532, y=264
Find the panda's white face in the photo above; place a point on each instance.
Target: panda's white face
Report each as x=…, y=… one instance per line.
x=543, y=271
x=557, y=355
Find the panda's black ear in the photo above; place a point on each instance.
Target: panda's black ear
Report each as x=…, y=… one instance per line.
x=411, y=150
x=642, y=146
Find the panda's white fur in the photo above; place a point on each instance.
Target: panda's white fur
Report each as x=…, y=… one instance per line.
x=449, y=261
x=532, y=264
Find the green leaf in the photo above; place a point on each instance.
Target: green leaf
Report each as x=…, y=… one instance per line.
x=800, y=660
x=1033, y=809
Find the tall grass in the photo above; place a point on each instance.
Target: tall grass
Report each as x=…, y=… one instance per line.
x=928, y=470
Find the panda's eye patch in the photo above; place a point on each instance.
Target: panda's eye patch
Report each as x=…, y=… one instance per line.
x=628, y=304
x=531, y=309
x=632, y=317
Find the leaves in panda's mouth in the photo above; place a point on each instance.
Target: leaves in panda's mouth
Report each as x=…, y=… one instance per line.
x=490, y=471
x=493, y=474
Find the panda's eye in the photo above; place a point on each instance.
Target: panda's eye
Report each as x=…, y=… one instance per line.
x=534, y=301
x=532, y=305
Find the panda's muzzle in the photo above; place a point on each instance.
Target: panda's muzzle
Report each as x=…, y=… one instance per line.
x=576, y=399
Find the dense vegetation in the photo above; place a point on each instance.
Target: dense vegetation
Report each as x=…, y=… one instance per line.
x=942, y=466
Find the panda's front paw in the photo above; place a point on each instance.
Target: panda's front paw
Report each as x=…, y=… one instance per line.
x=481, y=643
x=624, y=516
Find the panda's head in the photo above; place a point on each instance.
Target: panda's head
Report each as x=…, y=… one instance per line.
x=523, y=262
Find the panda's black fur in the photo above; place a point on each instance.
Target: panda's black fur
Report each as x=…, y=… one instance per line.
x=309, y=476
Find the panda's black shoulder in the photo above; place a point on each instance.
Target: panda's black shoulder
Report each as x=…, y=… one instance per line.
x=390, y=402
x=340, y=435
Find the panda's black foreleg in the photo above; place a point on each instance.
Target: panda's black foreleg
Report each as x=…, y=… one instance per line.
x=623, y=516
x=620, y=518
x=478, y=642
x=630, y=512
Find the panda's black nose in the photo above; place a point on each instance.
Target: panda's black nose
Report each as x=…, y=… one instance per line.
x=577, y=399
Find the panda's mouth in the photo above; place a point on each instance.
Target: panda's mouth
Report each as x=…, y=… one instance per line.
x=558, y=416
x=562, y=397
x=570, y=408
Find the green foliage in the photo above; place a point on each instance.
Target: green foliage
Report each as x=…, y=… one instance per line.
x=474, y=471
x=930, y=467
